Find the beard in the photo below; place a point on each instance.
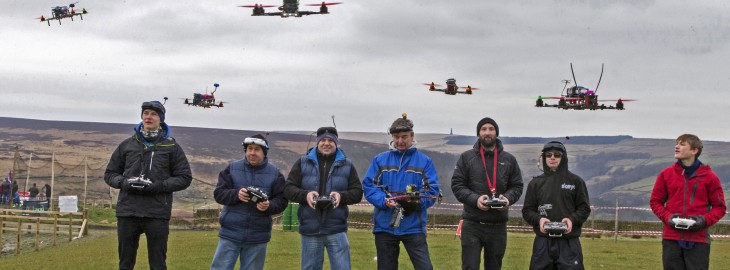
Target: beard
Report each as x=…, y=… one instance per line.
x=487, y=142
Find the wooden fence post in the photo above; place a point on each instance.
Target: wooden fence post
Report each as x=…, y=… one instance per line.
x=37, y=233
x=70, y=228
x=55, y=228
x=20, y=229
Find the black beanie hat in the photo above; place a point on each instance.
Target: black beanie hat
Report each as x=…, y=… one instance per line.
x=155, y=106
x=265, y=147
x=327, y=132
x=487, y=120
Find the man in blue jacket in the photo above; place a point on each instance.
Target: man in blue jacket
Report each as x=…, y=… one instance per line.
x=147, y=168
x=251, y=190
x=391, y=174
x=324, y=182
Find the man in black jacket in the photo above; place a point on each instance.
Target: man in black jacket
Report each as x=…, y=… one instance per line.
x=556, y=196
x=486, y=173
x=147, y=168
x=324, y=172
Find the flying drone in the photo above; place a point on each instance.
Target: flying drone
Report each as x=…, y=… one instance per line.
x=451, y=88
x=580, y=98
x=204, y=100
x=60, y=12
x=289, y=8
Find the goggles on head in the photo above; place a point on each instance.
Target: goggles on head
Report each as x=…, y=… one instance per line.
x=255, y=141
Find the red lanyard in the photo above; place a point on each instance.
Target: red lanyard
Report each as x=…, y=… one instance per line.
x=492, y=184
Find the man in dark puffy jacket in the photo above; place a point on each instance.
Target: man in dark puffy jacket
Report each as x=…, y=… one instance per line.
x=147, y=168
x=687, y=191
x=251, y=190
x=557, y=195
x=486, y=172
x=324, y=182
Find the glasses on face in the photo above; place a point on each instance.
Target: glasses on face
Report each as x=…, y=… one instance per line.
x=553, y=154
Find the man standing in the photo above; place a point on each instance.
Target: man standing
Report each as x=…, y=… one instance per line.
x=147, y=168
x=688, y=198
x=557, y=195
x=33, y=191
x=251, y=190
x=47, y=189
x=483, y=173
x=324, y=182
x=402, y=169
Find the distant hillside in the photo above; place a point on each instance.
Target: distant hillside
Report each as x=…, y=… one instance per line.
x=613, y=166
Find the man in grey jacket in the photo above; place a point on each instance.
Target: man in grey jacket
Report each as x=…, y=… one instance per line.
x=487, y=180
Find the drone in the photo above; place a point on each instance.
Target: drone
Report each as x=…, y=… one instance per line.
x=580, y=98
x=204, y=100
x=60, y=12
x=289, y=8
x=451, y=88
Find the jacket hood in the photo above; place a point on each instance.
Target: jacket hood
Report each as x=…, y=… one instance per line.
x=165, y=133
x=562, y=168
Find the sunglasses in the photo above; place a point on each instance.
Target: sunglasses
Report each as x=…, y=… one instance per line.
x=551, y=154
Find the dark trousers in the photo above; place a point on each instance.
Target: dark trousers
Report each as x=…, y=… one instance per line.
x=556, y=253
x=129, y=230
x=674, y=257
x=475, y=236
x=388, y=249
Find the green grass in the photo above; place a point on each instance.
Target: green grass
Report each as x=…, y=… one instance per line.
x=194, y=250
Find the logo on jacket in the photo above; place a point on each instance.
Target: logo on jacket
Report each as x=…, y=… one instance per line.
x=543, y=209
x=568, y=187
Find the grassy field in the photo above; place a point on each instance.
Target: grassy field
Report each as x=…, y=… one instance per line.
x=194, y=250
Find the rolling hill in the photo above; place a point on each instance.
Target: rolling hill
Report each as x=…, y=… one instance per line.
x=614, y=167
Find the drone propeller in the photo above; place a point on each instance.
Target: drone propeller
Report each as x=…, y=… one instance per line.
x=434, y=84
x=468, y=87
x=324, y=4
x=43, y=19
x=257, y=6
x=599, y=80
x=73, y=4
x=623, y=100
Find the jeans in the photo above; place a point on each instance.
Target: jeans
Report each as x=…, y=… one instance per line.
x=338, y=249
x=252, y=256
x=129, y=230
x=491, y=237
x=388, y=249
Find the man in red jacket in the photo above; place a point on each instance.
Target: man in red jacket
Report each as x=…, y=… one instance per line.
x=688, y=198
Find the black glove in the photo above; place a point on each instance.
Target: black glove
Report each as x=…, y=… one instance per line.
x=154, y=188
x=670, y=222
x=127, y=187
x=700, y=223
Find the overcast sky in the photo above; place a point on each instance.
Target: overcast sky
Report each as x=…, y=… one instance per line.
x=365, y=62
